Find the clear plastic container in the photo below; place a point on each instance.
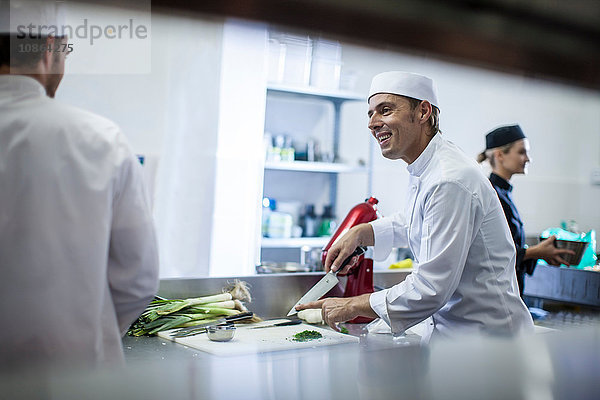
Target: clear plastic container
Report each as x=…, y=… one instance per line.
x=276, y=60
x=298, y=58
x=326, y=65
x=280, y=225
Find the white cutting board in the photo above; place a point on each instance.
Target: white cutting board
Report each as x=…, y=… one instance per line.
x=250, y=341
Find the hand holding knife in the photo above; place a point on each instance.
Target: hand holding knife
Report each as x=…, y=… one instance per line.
x=326, y=283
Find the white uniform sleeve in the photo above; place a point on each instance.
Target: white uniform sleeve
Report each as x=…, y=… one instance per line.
x=133, y=255
x=451, y=216
x=389, y=232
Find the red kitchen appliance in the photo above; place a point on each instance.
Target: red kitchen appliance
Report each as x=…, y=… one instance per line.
x=360, y=277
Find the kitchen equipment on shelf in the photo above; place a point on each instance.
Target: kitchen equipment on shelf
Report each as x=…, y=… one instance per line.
x=287, y=151
x=360, y=277
x=267, y=267
x=276, y=224
x=327, y=224
x=290, y=58
x=326, y=283
x=308, y=221
x=326, y=64
x=311, y=257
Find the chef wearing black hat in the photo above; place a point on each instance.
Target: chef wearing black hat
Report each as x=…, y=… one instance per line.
x=507, y=150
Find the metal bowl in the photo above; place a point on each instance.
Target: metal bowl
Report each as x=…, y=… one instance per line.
x=220, y=333
x=578, y=247
x=279, y=267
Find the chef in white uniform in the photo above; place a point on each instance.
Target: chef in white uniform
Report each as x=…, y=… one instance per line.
x=78, y=253
x=464, y=271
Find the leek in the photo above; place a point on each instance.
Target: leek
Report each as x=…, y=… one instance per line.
x=165, y=314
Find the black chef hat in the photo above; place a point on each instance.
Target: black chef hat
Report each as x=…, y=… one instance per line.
x=503, y=135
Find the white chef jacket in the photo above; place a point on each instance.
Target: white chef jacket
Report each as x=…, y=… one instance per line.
x=78, y=253
x=464, y=270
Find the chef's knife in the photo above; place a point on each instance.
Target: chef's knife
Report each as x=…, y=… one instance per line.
x=326, y=283
x=284, y=323
x=197, y=329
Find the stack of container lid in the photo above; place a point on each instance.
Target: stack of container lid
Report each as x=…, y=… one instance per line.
x=290, y=58
x=326, y=64
x=301, y=61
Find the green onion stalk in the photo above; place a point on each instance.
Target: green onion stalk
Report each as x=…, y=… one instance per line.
x=165, y=314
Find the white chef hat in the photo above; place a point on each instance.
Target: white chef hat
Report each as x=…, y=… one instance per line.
x=23, y=17
x=405, y=84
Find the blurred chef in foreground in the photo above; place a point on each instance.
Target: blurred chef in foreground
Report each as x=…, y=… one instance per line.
x=507, y=151
x=78, y=253
x=464, y=274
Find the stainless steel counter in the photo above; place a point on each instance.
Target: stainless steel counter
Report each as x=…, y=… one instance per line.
x=346, y=371
x=557, y=365
x=272, y=297
x=149, y=349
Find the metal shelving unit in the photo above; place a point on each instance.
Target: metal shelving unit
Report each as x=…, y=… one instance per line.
x=307, y=91
x=331, y=169
x=305, y=166
x=313, y=242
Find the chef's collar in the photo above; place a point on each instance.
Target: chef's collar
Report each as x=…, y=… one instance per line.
x=418, y=166
x=21, y=84
x=503, y=135
x=500, y=182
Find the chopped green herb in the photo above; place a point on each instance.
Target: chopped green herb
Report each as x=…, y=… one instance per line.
x=343, y=329
x=305, y=336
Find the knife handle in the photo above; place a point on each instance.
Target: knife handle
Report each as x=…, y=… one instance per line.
x=288, y=323
x=359, y=250
x=239, y=317
x=195, y=330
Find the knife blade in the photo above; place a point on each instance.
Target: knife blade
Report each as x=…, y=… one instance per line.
x=198, y=329
x=326, y=283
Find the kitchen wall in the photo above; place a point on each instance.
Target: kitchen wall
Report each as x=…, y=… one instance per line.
x=177, y=115
x=236, y=214
x=171, y=116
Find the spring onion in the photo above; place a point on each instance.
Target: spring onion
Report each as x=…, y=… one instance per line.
x=164, y=314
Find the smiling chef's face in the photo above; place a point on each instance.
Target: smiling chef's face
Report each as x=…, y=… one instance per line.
x=395, y=126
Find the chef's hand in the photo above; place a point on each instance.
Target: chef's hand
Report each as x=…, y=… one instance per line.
x=547, y=251
x=334, y=309
x=359, y=235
